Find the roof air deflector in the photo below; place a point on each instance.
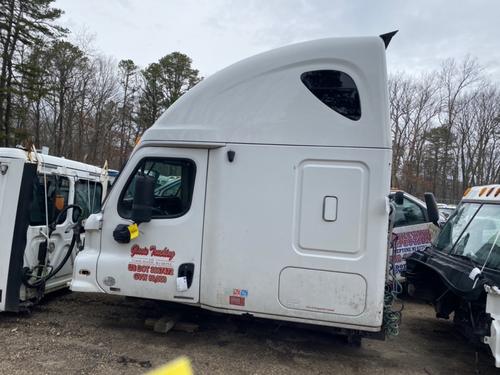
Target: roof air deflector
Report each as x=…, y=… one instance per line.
x=387, y=37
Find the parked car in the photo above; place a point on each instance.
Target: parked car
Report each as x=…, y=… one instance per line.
x=446, y=209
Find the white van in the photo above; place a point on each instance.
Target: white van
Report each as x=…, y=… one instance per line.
x=279, y=173
x=37, y=193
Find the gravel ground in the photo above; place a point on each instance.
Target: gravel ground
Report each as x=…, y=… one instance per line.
x=73, y=333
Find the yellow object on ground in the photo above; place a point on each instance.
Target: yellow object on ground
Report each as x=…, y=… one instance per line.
x=179, y=366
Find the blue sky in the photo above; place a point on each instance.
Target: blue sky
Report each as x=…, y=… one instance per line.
x=216, y=33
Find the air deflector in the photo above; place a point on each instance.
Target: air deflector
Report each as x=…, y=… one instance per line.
x=388, y=37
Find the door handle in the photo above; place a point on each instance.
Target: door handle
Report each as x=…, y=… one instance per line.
x=330, y=205
x=186, y=270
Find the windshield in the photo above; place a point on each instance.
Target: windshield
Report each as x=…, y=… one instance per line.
x=472, y=231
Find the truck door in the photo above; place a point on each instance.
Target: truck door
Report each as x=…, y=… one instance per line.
x=413, y=233
x=167, y=247
x=16, y=178
x=58, y=197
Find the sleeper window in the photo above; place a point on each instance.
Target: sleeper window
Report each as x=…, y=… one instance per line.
x=335, y=89
x=173, y=191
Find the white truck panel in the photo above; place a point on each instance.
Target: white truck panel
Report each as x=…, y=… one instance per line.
x=116, y=270
x=251, y=233
x=262, y=99
x=10, y=184
x=17, y=161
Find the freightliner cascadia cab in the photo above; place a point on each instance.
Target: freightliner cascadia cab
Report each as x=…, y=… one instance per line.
x=39, y=220
x=262, y=191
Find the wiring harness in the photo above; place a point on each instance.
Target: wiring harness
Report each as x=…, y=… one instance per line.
x=392, y=317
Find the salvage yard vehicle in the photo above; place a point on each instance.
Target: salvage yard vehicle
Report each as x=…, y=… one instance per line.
x=43, y=199
x=446, y=209
x=413, y=229
x=306, y=241
x=460, y=272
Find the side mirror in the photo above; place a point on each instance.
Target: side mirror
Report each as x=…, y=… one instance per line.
x=142, y=205
x=432, y=208
x=399, y=198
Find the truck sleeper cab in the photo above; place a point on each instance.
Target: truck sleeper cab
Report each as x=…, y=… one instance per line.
x=267, y=193
x=25, y=182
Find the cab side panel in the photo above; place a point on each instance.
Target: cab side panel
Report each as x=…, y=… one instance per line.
x=18, y=243
x=295, y=232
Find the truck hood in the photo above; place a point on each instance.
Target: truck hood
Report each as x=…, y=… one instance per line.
x=453, y=271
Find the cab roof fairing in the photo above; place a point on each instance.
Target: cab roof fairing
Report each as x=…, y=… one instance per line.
x=51, y=161
x=262, y=100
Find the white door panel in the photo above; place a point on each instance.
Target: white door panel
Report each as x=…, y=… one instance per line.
x=337, y=189
x=272, y=246
x=9, y=193
x=148, y=265
x=60, y=238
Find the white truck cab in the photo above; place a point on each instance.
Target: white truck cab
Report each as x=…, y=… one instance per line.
x=263, y=191
x=35, y=192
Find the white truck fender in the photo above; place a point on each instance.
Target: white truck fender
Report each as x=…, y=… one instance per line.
x=493, y=308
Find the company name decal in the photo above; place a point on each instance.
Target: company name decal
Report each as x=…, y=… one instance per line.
x=417, y=237
x=150, y=264
x=407, y=244
x=152, y=251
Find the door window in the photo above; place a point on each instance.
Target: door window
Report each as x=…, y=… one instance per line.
x=88, y=195
x=409, y=213
x=57, y=199
x=173, y=191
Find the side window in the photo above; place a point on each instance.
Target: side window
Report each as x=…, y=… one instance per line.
x=174, y=183
x=335, y=89
x=88, y=195
x=57, y=199
x=409, y=213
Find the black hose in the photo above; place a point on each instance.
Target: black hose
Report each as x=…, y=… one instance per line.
x=76, y=234
x=40, y=282
x=53, y=225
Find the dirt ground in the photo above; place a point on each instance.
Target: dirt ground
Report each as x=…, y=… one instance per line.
x=73, y=333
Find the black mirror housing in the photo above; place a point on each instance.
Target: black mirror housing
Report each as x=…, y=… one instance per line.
x=142, y=206
x=399, y=197
x=432, y=208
